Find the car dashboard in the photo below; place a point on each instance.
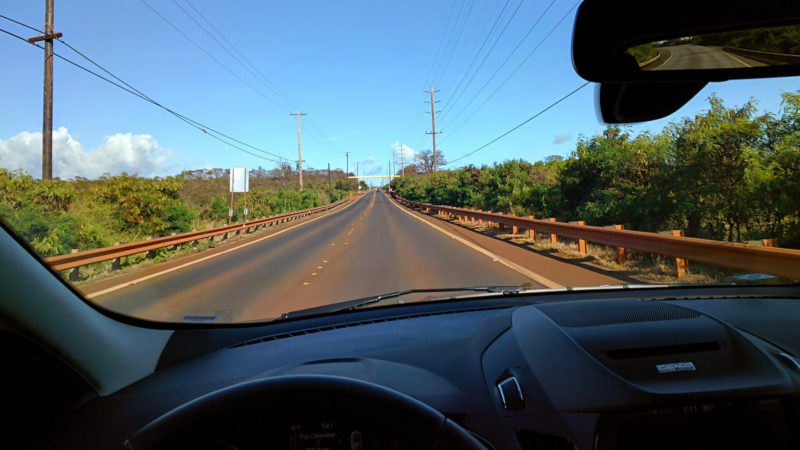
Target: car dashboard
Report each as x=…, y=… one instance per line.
x=622, y=369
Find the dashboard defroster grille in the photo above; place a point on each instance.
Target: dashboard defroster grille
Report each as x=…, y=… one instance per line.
x=275, y=337
x=591, y=314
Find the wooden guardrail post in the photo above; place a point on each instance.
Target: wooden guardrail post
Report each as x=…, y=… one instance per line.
x=531, y=231
x=74, y=274
x=681, y=264
x=175, y=247
x=769, y=242
x=149, y=253
x=553, y=236
x=472, y=219
x=500, y=225
x=489, y=222
x=116, y=263
x=480, y=220
x=514, y=228
x=582, y=248
x=622, y=253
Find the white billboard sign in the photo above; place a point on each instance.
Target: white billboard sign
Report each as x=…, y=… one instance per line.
x=240, y=181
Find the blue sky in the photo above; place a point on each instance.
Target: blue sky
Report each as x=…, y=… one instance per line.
x=358, y=68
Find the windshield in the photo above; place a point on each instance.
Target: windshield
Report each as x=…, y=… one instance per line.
x=200, y=161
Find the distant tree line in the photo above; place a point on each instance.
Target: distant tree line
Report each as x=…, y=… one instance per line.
x=728, y=174
x=55, y=216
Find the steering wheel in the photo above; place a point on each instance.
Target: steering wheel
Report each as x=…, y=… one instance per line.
x=287, y=399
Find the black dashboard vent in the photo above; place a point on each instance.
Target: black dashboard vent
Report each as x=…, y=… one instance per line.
x=590, y=314
x=275, y=337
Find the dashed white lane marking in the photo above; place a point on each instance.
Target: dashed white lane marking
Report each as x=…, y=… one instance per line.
x=190, y=263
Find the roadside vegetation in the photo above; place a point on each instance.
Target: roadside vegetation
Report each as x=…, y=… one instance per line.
x=56, y=216
x=643, y=53
x=774, y=39
x=727, y=174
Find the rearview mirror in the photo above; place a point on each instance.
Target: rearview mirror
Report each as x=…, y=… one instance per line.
x=653, y=56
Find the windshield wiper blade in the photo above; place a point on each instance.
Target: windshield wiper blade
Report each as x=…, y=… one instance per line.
x=362, y=302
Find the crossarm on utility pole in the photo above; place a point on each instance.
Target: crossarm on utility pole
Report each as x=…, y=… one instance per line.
x=36, y=39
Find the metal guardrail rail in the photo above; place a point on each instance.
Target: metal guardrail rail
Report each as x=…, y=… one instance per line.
x=78, y=259
x=769, y=260
x=765, y=57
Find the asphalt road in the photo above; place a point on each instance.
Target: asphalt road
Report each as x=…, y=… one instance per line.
x=368, y=248
x=687, y=57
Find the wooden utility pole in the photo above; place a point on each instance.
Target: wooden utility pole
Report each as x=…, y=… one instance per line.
x=47, y=110
x=402, y=162
x=299, y=147
x=347, y=172
x=433, y=131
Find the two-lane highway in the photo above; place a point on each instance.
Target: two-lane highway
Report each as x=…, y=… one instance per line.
x=370, y=247
x=696, y=57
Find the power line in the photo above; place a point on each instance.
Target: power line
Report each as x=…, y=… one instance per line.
x=132, y=90
x=510, y=75
x=253, y=70
x=441, y=42
x=455, y=42
x=213, y=58
x=480, y=49
x=513, y=51
x=230, y=53
x=274, y=87
x=181, y=116
x=415, y=123
x=21, y=24
x=520, y=125
x=316, y=131
x=449, y=40
x=491, y=49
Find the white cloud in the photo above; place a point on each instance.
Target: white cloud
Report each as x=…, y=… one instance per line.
x=132, y=153
x=408, y=152
x=561, y=138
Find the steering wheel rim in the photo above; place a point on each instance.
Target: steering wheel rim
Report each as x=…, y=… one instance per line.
x=272, y=395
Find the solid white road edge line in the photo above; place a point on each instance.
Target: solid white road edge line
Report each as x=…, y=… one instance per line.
x=511, y=265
